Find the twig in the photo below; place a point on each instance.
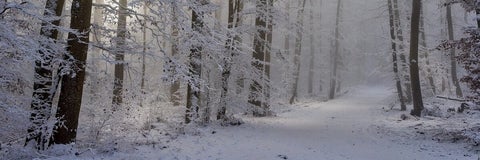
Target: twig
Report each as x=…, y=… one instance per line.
x=453, y=99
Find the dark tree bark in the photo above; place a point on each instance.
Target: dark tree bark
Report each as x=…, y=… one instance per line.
x=193, y=89
x=414, y=75
x=401, y=49
x=120, y=55
x=453, y=62
x=72, y=86
x=394, y=58
x=259, y=90
x=44, y=86
x=234, y=18
x=298, y=50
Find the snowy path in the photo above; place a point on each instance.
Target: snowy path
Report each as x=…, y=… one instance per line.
x=336, y=130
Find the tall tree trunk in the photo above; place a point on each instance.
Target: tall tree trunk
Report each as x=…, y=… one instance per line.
x=336, y=53
x=120, y=55
x=193, y=89
x=175, y=97
x=311, y=70
x=268, y=49
x=70, y=101
x=394, y=57
x=453, y=62
x=43, y=87
x=287, y=51
x=144, y=52
x=234, y=8
x=298, y=50
x=424, y=49
x=261, y=44
x=415, y=78
x=401, y=49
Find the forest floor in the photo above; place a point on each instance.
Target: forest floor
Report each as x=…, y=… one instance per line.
x=356, y=126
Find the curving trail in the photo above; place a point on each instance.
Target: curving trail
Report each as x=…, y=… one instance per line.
x=340, y=129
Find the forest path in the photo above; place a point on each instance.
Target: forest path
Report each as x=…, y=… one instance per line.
x=341, y=129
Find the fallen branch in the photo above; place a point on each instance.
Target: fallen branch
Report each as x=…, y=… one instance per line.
x=453, y=99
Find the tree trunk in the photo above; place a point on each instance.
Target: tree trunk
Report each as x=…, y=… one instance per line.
x=120, y=55
x=401, y=49
x=335, y=56
x=193, y=89
x=261, y=44
x=144, y=53
x=394, y=57
x=234, y=8
x=298, y=50
x=453, y=62
x=175, y=97
x=43, y=87
x=415, y=78
x=72, y=86
x=424, y=49
x=311, y=70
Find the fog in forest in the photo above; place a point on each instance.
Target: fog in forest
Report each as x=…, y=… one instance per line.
x=240, y=79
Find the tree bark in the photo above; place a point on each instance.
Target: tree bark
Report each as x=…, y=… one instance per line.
x=394, y=57
x=335, y=56
x=120, y=55
x=175, y=97
x=453, y=62
x=414, y=75
x=424, y=49
x=298, y=50
x=311, y=70
x=72, y=86
x=261, y=44
x=234, y=8
x=44, y=88
x=193, y=89
x=401, y=49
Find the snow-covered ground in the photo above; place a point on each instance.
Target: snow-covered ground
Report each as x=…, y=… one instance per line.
x=355, y=126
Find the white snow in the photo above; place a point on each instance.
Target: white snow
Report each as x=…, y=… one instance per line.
x=349, y=127
x=355, y=126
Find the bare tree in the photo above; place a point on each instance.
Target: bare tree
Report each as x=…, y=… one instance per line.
x=232, y=46
x=120, y=54
x=44, y=86
x=401, y=49
x=193, y=90
x=70, y=101
x=336, y=54
x=453, y=62
x=259, y=90
x=174, y=95
x=414, y=75
x=298, y=50
x=394, y=57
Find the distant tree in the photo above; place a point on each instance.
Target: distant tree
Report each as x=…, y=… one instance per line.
x=71, y=91
x=259, y=91
x=195, y=70
x=233, y=50
x=453, y=62
x=120, y=54
x=336, y=53
x=470, y=49
x=414, y=73
x=174, y=95
x=401, y=51
x=298, y=50
x=394, y=56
